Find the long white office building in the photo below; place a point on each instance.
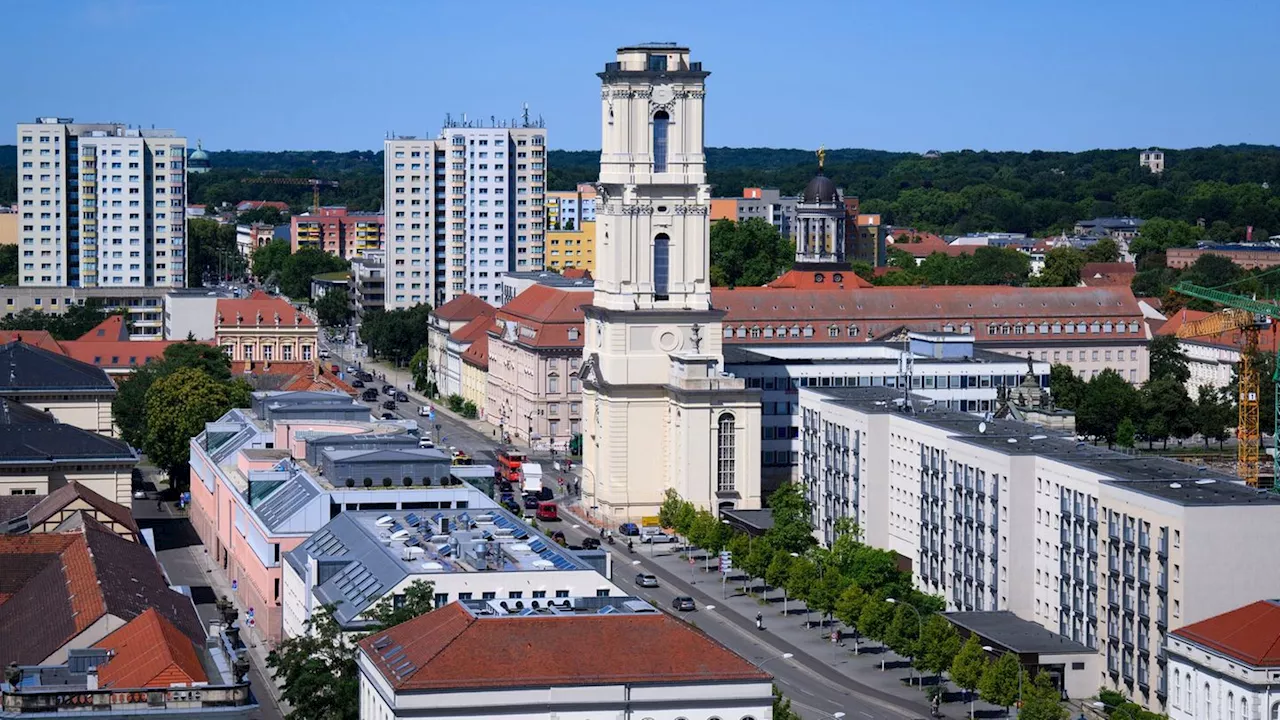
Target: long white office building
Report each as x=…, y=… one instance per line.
x=462, y=209
x=948, y=368
x=101, y=205
x=1108, y=549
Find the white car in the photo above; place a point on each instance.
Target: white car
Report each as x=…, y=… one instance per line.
x=351, y=369
x=424, y=410
x=657, y=538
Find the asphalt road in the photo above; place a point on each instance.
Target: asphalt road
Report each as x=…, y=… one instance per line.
x=179, y=550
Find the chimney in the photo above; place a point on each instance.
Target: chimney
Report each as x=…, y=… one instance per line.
x=277, y=319
x=239, y=318
x=91, y=678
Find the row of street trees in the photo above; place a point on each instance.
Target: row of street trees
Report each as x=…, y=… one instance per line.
x=862, y=587
x=275, y=265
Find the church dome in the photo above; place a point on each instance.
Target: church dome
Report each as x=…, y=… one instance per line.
x=820, y=190
x=200, y=154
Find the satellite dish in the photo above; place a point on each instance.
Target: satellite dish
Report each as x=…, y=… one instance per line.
x=982, y=428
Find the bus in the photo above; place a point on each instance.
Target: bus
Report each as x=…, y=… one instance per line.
x=509, y=462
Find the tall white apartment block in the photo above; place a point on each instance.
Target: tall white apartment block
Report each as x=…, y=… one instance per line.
x=1111, y=550
x=462, y=210
x=101, y=204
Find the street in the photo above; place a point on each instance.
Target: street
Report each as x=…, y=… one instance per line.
x=186, y=562
x=816, y=690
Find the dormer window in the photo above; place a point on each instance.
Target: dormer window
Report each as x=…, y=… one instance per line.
x=573, y=334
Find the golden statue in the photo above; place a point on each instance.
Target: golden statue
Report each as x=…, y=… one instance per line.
x=822, y=156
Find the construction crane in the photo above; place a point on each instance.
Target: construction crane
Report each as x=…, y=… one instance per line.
x=315, y=184
x=1249, y=317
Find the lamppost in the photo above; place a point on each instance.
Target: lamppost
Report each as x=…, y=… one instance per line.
x=920, y=624
x=783, y=656
x=1018, y=708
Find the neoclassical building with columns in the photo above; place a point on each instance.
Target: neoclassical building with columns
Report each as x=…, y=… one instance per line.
x=659, y=411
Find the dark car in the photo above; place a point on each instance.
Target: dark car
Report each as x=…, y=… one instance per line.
x=512, y=506
x=389, y=405
x=369, y=394
x=628, y=529
x=590, y=544
x=365, y=377
x=388, y=416
x=530, y=502
x=683, y=603
x=645, y=580
x=389, y=390
x=401, y=397
x=504, y=486
x=544, y=494
x=357, y=383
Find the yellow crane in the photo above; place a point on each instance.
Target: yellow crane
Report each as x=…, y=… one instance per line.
x=1248, y=325
x=315, y=184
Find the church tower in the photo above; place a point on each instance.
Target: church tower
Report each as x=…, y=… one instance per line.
x=658, y=412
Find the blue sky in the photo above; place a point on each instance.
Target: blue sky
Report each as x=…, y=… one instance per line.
x=890, y=74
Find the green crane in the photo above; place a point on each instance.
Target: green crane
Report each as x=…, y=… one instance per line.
x=1249, y=317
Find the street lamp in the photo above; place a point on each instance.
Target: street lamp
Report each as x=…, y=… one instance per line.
x=783, y=656
x=1018, y=709
x=920, y=624
x=784, y=590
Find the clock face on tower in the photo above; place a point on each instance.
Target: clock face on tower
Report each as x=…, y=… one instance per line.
x=662, y=94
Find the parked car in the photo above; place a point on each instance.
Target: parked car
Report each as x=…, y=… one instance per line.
x=401, y=397
x=646, y=580
x=335, y=369
x=369, y=395
x=657, y=538
x=388, y=416
x=357, y=383
x=389, y=404
x=366, y=377
x=683, y=603
x=544, y=493
x=324, y=354
x=590, y=544
x=628, y=529
x=424, y=410
x=512, y=506
x=350, y=369
x=548, y=511
x=531, y=502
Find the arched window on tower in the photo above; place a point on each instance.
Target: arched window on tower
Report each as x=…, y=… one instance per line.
x=661, y=266
x=660, y=122
x=725, y=457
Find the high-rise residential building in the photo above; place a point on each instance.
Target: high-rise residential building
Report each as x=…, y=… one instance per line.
x=101, y=205
x=462, y=209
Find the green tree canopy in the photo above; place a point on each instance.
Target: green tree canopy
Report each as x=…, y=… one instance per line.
x=1167, y=359
x=1065, y=387
x=269, y=260
x=9, y=265
x=178, y=405
x=129, y=407
x=1104, y=251
x=1166, y=410
x=968, y=667
x=1108, y=399
x=1062, y=266
x=748, y=253
x=300, y=267
x=396, y=335
x=212, y=253
x=939, y=645
x=1214, y=414
x=999, y=684
x=1041, y=700
x=332, y=309
x=69, y=325
x=792, y=529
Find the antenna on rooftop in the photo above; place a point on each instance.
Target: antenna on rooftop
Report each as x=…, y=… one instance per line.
x=908, y=366
x=525, y=107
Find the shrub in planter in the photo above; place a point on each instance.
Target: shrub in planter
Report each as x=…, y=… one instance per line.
x=368, y=482
x=386, y=482
x=351, y=482
x=407, y=481
x=426, y=481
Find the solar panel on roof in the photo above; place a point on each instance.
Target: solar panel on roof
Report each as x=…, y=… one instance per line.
x=396, y=526
x=438, y=517
x=446, y=550
x=606, y=610
x=520, y=534
x=465, y=519
x=537, y=546
x=413, y=519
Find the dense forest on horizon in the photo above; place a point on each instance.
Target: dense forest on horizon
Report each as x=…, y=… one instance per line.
x=1227, y=187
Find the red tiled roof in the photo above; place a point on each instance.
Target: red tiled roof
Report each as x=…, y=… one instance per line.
x=1249, y=634
x=260, y=310
x=472, y=330
x=807, y=280
x=291, y=375
x=110, y=330
x=453, y=649
x=149, y=653
x=464, y=307
x=1107, y=274
x=478, y=354
x=923, y=250
x=577, y=273
x=117, y=354
x=549, y=312
x=903, y=236
x=880, y=310
x=39, y=338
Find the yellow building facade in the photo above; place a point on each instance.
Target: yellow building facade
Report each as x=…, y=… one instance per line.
x=572, y=248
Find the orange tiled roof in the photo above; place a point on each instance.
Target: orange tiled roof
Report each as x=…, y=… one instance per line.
x=39, y=338
x=291, y=375
x=464, y=307
x=150, y=652
x=478, y=354
x=1107, y=274
x=577, y=273
x=113, y=329
x=808, y=280
x=117, y=354
x=549, y=312
x=1249, y=634
x=452, y=649
x=472, y=330
x=260, y=310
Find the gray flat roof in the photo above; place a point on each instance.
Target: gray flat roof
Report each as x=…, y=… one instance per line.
x=1011, y=632
x=870, y=353
x=1163, y=478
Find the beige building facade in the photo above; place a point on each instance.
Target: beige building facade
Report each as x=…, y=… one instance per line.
x=1110, y=550
x=443, y=322
x=659, y=413
x=262, y=328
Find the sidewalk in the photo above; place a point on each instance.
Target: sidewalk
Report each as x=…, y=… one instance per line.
x=850, y=663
